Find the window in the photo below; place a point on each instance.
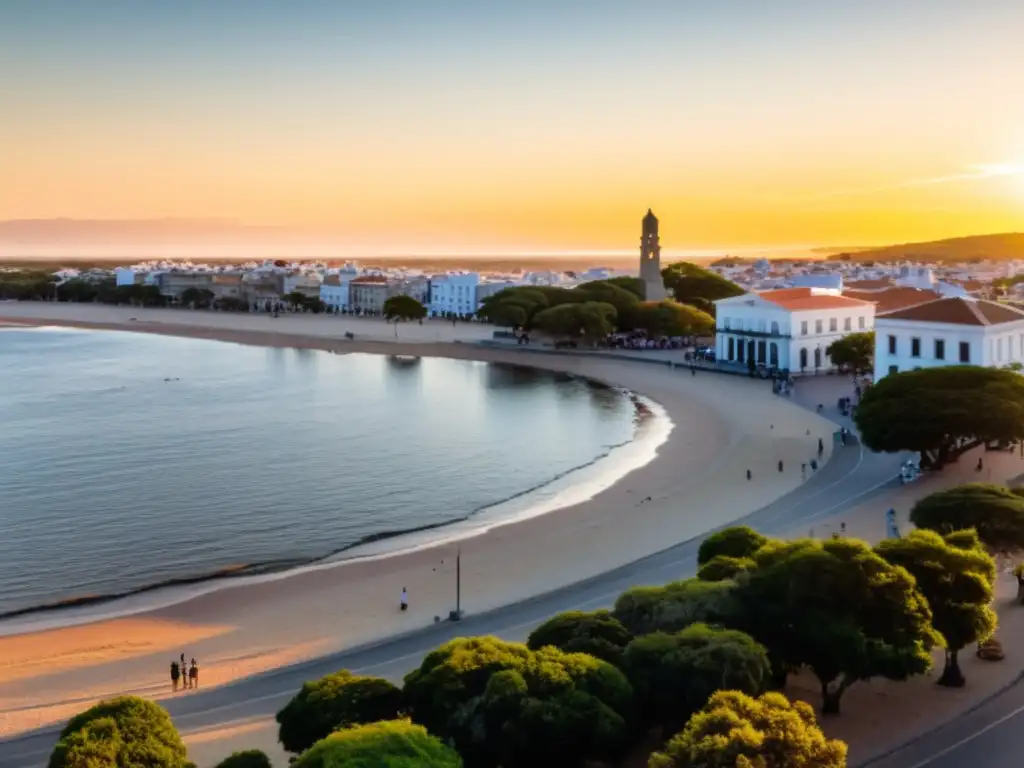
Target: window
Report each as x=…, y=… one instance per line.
x=728, y=323
x=894, y=369
x=860, y=322
x=965, y=351
x=848, y=324
x=833, y=324
x=818, y=326
x=940, y=349
x=892, y=345
x=803, y=328
x=915, y=347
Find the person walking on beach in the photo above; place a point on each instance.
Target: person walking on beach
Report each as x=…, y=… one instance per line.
x=175, y=675
x=404, y=604
x=193, y=675
x=184, y=672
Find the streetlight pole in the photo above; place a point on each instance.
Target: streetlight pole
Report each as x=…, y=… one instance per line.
x=456, y=615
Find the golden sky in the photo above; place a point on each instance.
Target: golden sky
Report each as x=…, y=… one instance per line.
x=541, y=126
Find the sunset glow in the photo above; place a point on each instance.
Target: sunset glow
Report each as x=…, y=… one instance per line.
x=455, y=125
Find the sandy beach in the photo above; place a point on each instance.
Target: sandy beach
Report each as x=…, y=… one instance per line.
x=722, y=426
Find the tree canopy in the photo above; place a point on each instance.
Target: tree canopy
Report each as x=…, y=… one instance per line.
x=403, y=308
x=675, y=606
x=995, y=512
x=854, y=352
x=250, y=758
x=597, y=633
x=387, y=744
x=334, y=701
x=735, y=731
x=838, y=608
x=591, y=320
x=942, y=412
x=736, y=541
x=673, y=675
x=670, y=318
x=120, y=733
x=502, y=703
x=698, y=287
x=607, y=292
x=721, y=567
x=956, y=577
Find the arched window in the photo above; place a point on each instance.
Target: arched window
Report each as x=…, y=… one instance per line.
x=775, y=327
x=803, y=358
x=817, y=357
x=773, y=355
x=732, y=349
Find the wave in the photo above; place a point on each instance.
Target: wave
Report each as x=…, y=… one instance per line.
x=645, y=412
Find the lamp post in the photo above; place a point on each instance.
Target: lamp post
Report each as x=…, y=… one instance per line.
x=456, y=615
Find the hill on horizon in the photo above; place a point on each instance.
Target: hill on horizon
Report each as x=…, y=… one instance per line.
x=999, y=247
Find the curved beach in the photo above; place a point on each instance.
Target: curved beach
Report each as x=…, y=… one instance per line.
x=721, y=427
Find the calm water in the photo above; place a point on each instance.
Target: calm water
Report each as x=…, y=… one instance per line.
x=128, y=460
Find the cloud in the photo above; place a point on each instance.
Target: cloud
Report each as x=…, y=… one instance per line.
x=972, y=173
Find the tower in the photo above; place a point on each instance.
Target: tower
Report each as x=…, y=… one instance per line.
x=650, y=259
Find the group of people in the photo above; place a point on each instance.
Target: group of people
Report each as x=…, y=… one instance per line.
x=186, y=674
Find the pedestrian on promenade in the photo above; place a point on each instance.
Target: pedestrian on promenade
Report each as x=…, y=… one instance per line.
x=748, y=474
x=184, y=672
x=404, y=604
x=175, y=675
x=193, y=675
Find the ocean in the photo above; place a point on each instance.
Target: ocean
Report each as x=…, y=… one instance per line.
x=130, y=461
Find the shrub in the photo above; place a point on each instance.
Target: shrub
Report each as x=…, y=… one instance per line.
x=388, y=744
x=250, y=758
x=738, y=541
x=598, y=633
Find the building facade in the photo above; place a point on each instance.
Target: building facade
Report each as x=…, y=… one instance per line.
x=949, y=331
x=367, y=294
x=788, y=329
x=454, y=294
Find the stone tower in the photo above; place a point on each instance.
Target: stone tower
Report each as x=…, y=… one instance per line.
x=650, y=259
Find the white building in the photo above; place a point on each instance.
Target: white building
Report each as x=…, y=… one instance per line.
x=948, y=331
x=454, y=293
x=788, y=329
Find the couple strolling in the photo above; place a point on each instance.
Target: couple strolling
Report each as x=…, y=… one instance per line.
x=187, y=674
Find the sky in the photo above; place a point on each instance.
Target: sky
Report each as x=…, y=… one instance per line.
x=501, y=126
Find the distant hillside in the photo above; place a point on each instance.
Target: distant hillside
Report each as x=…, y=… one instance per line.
x=1002, y=247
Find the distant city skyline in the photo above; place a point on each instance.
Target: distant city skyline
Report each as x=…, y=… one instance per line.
x=529, y=127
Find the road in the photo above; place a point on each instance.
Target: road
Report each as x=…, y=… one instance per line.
x=852, y=476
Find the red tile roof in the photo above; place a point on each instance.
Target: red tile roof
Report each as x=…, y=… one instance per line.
x=958, y=311
x=868, y=285
x=803, y=299
x=370, y=279
x=894, y=298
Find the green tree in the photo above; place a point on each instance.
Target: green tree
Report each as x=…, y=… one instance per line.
x=673, y=675
x=334, y=701
x=197, y=297
x=698, y=287
x=404, y=308
x=670, y=318
x=597, y=633
x=956, y=576
x=632, y=284
x=736, y=731
x=503, y=704
x=513, y=307
x=854, y=352
x=721, y=567
x=995, y=512
x=120, y=733
x=624, y=301
x=388, y=744
x=250, y=758
x=590, y=321
x=296, y=298
x=838, y=608
x=738, y=541
x=675, y=606
x=942, y=412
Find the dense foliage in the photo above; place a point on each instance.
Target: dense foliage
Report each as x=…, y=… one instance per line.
x=504, y=704
x=838, y=608
x=598, y=633
x=388, y=744
x=698, y=287
x=590, y=321
x=673, y=675
x=250, y=758
x=738, y=541
x=956, y=576
x=120, y=733
x=942, y=412
x=403, y=308
x=670, y=318
x=994, y=512
x=721, y=567
x=736, y=731
x=854, y=352
x=675, y=606
x=334, y=701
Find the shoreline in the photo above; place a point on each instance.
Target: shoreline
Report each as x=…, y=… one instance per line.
x=652, y=427
x=722, y=426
